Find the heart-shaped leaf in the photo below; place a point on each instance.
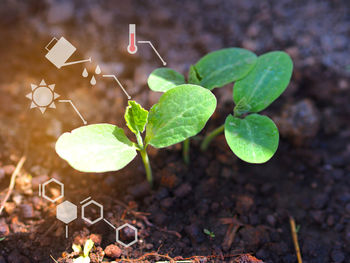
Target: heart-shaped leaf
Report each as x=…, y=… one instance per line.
x=253, y=139
x=180, y=113
x=265, y=83
x=135, y=117
x=163, y=79
x=96, y=148
x=224, y=66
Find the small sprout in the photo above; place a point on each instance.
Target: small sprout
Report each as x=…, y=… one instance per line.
x=2, y=238
x=214, y=70
x=209, y=233
x=253, y=137
x=297, y=228
x=258, y=82
x=181, y=112
x=83, y=254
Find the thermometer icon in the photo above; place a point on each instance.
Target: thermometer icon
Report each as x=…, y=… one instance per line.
x=132, y=48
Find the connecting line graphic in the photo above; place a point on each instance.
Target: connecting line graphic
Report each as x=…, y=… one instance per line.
x=85, y=200
x=121, y=86
x=149, y=42
x=76, y=110
x=109, y=223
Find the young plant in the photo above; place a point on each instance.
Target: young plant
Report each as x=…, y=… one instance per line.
x=180, y=113
x=253, y=137
x=209, y=233
x=83, y=254
x=215, y=69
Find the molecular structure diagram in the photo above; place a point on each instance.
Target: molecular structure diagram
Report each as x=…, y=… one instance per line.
x=68, y=212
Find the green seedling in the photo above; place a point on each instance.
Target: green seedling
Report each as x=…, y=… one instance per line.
x=258, y=82
x=181, y=112
x=215, y=69
x=2, y=238
x=83, y=253
x=209, y=233
x=253, y=137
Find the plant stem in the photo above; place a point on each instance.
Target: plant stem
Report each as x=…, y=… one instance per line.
x=147, y=165
x=145, y=159
x=211, y=136
x=139, y=140
x=186, y=151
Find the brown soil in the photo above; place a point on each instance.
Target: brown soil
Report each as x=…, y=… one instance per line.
x=306, y=179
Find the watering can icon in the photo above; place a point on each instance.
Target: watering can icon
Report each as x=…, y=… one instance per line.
x=61, y=52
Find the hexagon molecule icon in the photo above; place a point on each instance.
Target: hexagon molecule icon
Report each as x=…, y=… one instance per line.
x=130, y=242
x=99, y=207
x=53, y=180
x=66, y=212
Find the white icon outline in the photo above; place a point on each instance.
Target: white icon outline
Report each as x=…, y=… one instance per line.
x=60, y=52
x=87, y=219
x=135, y=235
x=66, y=212
x=132, y=43
x=42, y=96
x=61, y=190
x=132, y=47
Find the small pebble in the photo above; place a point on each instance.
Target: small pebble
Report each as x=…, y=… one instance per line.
x=27, y=211
x=4, y=228
x=140, y=190
x=183, y=190
x=97, y=239
x=113, y=251
x=244, y=203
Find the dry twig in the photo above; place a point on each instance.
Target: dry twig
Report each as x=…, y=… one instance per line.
x=53, y=258
x=234, y=225
x=12, y=182
x=295, y=239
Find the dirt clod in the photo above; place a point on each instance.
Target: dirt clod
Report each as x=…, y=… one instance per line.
x=113, y=251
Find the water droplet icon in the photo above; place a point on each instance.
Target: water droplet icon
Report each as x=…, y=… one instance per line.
x=97, y=70
x=93, y=80
x=85, y=73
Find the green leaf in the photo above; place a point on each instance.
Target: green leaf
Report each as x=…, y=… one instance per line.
x=253, y=139
x=266, y=82
x=193, y=77
x=164, y=79
x=76, y=248
x=96, y=148
x=89, y=244
x=224, y=66
x=180, y=113
x=135, y=117
x=206, y=231
x=2, y=238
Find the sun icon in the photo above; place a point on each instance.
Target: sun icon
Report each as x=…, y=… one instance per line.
x=42, y=96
